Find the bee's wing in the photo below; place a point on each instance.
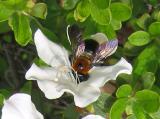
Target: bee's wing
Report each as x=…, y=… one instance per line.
x=80, y=48
x=105, y=49
x=74, y=35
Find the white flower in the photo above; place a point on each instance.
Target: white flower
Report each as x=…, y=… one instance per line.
x=91, y=116
x=58, y=78
x=20, y=106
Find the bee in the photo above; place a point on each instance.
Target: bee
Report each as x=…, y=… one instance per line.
x=88, y=52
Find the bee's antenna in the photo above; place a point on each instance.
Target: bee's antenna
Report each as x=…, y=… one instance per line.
x=68, y=35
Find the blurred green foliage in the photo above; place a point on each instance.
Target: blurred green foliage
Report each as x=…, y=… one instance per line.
x=136, y=24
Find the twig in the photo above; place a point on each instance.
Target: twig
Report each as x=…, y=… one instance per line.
x=11, y=66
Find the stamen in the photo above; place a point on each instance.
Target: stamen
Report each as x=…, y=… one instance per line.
x=68, y=71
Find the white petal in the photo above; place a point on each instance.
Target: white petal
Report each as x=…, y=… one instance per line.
x=91, y=116
x=20, y=106
x=48, y=81
x=83, y=94
x=50, y=52
x=36, y=72
x=99, y=37
x=86, y=94
x=100, y=75
x=54, y=87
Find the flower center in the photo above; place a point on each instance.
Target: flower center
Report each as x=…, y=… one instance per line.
x=73, y=75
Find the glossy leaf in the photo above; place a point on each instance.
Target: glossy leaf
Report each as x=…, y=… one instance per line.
x=124, y=91
x=27, y=87
x=19, y=5
x=120, y=11
x=1, y=99
x=5, y=12
x=139, y=38
x=131, y=50
x=101, y=4
x=69, y=4
x=108, y=30
x=118, y=108
x=154, y=29
x=103, y=104
x=82, y=11
x=70, y=113
x=153, y=2
x=146, y=61
x=148, y=99
x=142, y=21
x=39, y=10
x=116, y=24
x=101, y=16
x=148, y=80
x=138, y=111
x=21, y=27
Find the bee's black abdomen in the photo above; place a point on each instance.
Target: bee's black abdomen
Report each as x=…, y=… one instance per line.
x=91, y=45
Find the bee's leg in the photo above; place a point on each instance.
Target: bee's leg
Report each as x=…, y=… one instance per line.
x=83, y=77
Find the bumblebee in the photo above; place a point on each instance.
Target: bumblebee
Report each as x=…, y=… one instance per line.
x=88, y=52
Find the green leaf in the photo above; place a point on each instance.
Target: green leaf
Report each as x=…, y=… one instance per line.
x=40, y=62
x=70, y=113
x=131, y=50
x=90, y=29
x=70, y=18
x=139, y=7
x=103, y=104
x=5, y=12
x=101, y=4
x=148, y=80
x=142, y=21
x=156, y=15
x=108, y=30
x=90, y=108
x=124, y=91
x=69, y=4
x=153, y=2
x=27, y=87
x=21, y=27
x=147, y=61
x=4, y=27
x=82, y=11
x=5, y=92
x=16, y=4
x=116, y=24
x=154, y=29
x=156, y=115
x=1, y=100
x=139, y=38
x=148, y=99
x=138, y=111
x=118, y=108
x=128, y=109
x=131, y=117
x=127, y=2
x=39, y=10
x=120, y=11
x=101, y=16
